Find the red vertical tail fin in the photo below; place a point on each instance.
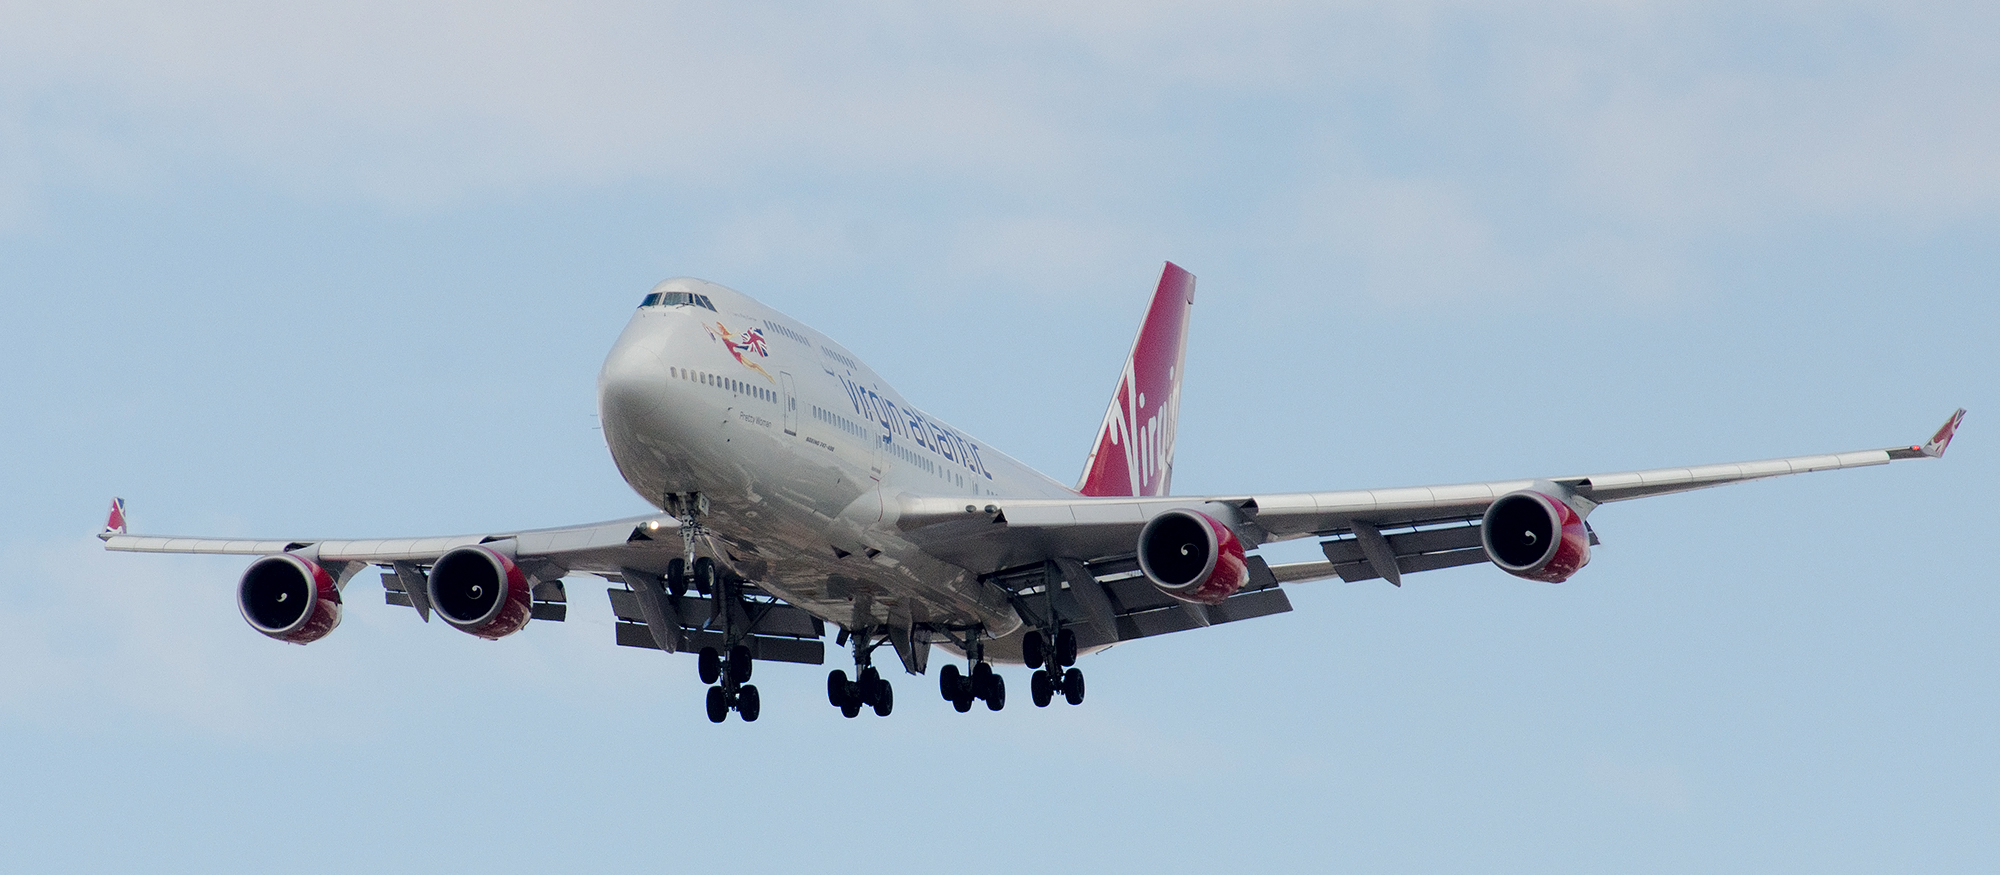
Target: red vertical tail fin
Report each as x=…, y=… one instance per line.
x=1134, y=454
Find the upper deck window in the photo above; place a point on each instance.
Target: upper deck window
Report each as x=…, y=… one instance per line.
x=676, y=299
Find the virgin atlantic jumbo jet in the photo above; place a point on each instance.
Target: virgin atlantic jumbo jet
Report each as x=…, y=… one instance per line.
x=797, y=489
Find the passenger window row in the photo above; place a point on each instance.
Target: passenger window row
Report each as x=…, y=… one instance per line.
x=782, y=331
x=840, y=422
x=728, y=384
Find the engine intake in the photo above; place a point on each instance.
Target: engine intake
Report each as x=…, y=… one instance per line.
x=481, y=592
x=1192, y=556
x=289, y=598
x=1536, y=536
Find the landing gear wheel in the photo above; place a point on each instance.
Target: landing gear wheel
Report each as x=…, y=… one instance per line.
x=996, y=694
x=962, y=703
x=747, y=703
x=704, y=575
x=677, y=577
x=1033, y=649
x=709, y=664
x=850, y=708
x=885, y=698
x=1040, y=689
x=836, y=688
x=948, y=683
x=739, y=663
x=982, y=680
x=1066, y=648
x=871, y=685
x=718, y=705
x=1072, y=686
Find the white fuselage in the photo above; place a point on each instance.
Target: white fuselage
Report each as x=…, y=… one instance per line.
x=798, y=447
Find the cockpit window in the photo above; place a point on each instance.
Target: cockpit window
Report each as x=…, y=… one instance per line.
x=676, y=299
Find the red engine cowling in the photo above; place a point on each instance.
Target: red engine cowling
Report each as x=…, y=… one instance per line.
x=480, y=591
x=1536, y=536
x=1192, y=556
x=290, y=598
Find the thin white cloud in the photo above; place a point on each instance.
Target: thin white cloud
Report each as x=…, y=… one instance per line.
x=1428, y=130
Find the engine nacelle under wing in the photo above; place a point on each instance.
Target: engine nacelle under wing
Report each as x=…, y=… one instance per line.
x=290, y=598
x=1533, y=535
x=481, y=592
x=1192, y=556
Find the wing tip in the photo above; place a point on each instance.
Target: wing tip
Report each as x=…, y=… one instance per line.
x=114, y=523
x=1935, y=447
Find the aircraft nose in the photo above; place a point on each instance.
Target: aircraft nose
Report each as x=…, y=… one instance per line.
x=629, y=386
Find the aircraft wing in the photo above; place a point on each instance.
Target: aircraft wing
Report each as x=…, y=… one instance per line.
x=1370, y=532
x=644, y=542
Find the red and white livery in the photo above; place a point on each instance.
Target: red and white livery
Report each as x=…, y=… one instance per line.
x=798, y=490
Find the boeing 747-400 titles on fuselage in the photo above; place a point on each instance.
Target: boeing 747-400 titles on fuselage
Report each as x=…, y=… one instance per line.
x=797, y=489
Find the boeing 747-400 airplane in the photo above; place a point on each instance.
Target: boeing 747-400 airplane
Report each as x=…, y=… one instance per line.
x=797, y=489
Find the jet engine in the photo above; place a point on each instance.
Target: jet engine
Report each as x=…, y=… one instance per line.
x=1192, y=556
x=289, y=598
x=1536, y=536
x=481, y=592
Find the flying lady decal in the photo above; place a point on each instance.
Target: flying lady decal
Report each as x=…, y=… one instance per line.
x=751, y=341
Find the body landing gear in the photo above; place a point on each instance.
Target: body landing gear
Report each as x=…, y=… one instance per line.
x=1052, y=668
x=727, y=673
x=868, y=689
x=730, y=692
x=979, y=682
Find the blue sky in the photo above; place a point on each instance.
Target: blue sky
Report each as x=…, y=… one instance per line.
x=350, y=270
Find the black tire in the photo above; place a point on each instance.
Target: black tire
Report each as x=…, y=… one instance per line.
x=1066, y=648
x=739, y=663
x=982, y=680
x=851, y=709
x=871, y=685
x=709, y=665
x=747, y=703
x=996, y=694
x=718, y=705
x=677, y=578
x=885, y=698
x=1073, y=686
x=1033, y=649
x=836, y=688
x=962, y=703
x=704, y=575
x=1040, y=689
x=948, y=679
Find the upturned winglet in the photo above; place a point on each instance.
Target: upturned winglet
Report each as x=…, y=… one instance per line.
x=115, y=523
x=1933, y=448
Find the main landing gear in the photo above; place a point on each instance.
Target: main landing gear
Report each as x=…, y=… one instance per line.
x=979, y=682
x=868, y=689
x=1053, y=672
x=728, y=672
x=730, y=692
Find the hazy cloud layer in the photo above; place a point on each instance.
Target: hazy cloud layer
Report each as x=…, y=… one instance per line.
x=1443, y=149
